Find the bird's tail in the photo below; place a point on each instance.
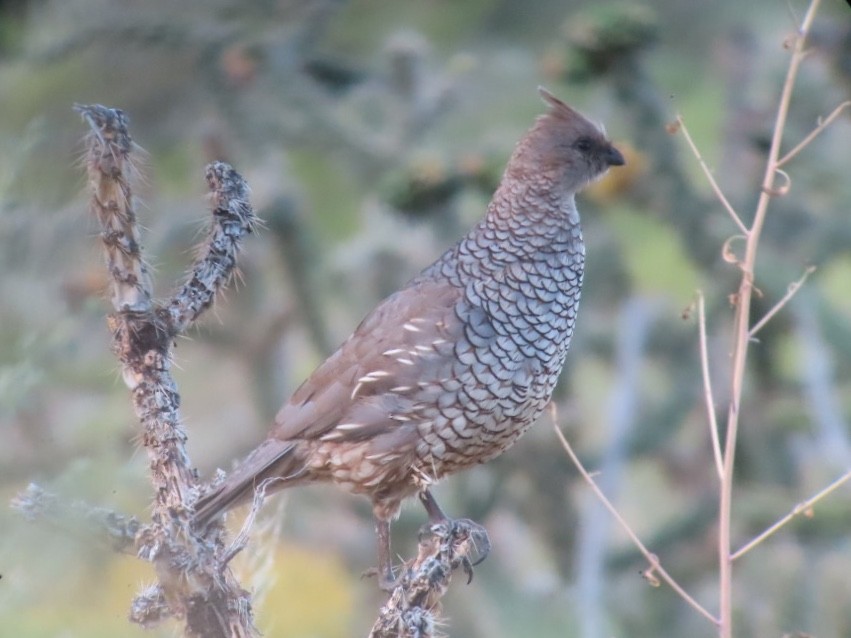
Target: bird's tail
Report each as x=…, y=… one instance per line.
x=271, y=466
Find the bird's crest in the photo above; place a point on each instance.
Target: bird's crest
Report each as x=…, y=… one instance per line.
x=560, y=110
x=557, y=107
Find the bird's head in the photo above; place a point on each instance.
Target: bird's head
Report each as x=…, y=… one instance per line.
x=564, y=148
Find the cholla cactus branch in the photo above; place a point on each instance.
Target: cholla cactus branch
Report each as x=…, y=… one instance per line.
x=413, y=609
x=233, y=219
x=108, y=163
x=117, y=530
x=150, y=607
x=194, y=584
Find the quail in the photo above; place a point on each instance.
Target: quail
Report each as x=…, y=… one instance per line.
x=450, y=370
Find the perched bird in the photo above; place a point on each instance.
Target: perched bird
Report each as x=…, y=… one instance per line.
x=452, y=369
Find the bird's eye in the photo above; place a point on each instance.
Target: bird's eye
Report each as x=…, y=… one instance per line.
x=583, y=144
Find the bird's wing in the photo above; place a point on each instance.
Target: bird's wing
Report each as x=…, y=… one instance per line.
x=408, y=339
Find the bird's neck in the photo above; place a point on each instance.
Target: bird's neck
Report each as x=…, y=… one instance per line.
x=529, y=222
x=533, y=205
x=526, y=222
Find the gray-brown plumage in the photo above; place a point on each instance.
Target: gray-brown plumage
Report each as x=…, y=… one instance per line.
x=452, y=369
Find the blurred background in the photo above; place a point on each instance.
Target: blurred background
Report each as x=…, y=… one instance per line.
x=372, y=134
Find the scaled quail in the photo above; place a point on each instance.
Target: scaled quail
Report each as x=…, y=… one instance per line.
x=452, y=369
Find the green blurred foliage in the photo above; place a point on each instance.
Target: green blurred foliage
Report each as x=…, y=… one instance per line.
x=653, y=255
x=372, y=134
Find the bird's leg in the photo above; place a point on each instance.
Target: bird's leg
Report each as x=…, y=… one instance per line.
x=435, y=514
x=386, y=580
x=477, y=534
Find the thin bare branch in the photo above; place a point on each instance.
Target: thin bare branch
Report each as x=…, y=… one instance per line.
x=655, y=565
x=801, y=508
x=818, y=130
x=708, y=396
x=711, y=178
x=794, y=287
x=742, y=326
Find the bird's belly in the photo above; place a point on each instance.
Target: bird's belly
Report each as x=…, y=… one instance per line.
x=386, y=477
x=478, y=428
x=506, y=366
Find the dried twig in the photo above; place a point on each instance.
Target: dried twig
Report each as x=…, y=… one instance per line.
x=194, y=585
x=708, y=396
x=818, y=130
x=793, y=288
x=742, y=325
x=655, y=565
x=711, y=179
x=801, y=508
x=743, y=331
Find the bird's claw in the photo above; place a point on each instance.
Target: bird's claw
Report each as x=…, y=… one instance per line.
x=467, y=566
x=479, y=540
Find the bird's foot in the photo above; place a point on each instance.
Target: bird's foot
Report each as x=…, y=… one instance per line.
x=467, y=543
x=445, y=542
x=479, y=539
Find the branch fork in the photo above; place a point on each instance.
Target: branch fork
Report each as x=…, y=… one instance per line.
x=194, y=584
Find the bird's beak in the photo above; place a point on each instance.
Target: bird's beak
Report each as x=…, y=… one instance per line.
x=613, y=157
